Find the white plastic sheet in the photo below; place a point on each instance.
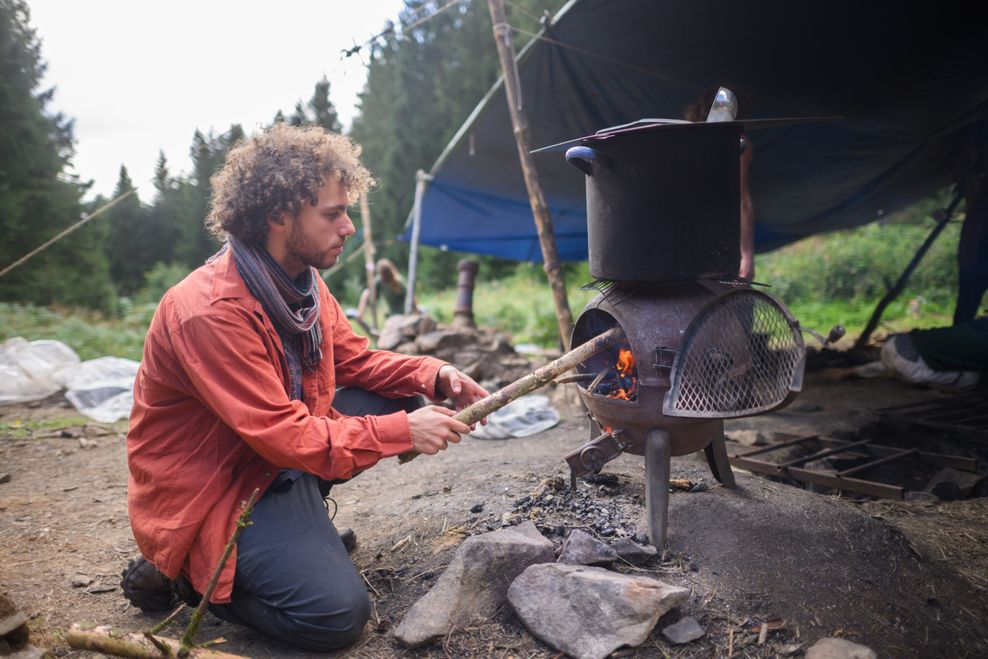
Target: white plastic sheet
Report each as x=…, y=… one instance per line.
x=102, y=389
x=520, y=418
x=27, y=369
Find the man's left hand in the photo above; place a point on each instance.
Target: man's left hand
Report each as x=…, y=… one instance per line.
x=459, y=387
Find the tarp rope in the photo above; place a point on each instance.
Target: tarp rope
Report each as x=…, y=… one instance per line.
x=85, y=218
x=605, y=58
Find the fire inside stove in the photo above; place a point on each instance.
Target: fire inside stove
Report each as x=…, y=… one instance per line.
x=619, y=380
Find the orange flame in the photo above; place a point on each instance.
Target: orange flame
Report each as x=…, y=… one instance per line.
x=625, y=367
x=625, y=362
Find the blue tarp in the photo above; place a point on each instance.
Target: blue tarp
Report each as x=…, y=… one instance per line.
x=909, y=79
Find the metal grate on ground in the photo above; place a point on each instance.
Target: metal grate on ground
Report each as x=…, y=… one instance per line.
x=965, y=413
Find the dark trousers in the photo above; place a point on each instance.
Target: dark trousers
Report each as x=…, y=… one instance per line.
x=294, y=579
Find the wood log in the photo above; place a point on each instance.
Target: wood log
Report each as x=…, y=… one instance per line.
x=541, y=377
x=135, y=647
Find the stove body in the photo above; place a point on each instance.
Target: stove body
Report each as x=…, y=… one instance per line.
x=702, y=346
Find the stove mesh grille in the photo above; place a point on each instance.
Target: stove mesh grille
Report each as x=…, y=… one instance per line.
x=742, y=355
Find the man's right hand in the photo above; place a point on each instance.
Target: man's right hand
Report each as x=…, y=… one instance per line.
x=433, y=428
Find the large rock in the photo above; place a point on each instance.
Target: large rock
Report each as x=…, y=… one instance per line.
x=633, y=552
x=475, y=582
x=588, y=612
x=401, y=329
x=581, y=548
x=838, y=648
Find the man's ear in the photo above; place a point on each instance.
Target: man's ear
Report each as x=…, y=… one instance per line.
x=278, y=221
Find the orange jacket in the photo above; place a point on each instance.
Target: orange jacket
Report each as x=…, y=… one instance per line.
x=211, y=419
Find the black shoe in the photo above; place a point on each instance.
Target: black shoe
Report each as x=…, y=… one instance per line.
x=349, y=539
x=147, y=588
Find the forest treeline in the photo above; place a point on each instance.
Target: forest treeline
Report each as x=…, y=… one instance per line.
x=421, y=85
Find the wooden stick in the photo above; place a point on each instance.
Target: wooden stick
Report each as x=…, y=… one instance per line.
x=370, y=259
x=242, y=523
x=543, y=376
x=133, y=649
x=536, y=197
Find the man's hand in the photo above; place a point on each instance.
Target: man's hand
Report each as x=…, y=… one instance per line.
x=433, y=428
x=459, y=387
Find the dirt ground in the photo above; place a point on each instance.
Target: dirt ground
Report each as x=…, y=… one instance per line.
x=907, y=579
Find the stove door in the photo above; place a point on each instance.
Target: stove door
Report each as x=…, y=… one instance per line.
x=743, y=354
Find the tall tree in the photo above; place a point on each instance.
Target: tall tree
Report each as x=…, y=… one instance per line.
x=38, y=195
x=319, y=111
x=127, y=244
x=421, y=86
x=208, y=152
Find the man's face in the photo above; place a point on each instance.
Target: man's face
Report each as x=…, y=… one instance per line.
x=317, y=235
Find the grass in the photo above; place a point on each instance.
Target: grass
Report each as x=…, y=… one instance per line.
x=19, y=429
x=88, y=333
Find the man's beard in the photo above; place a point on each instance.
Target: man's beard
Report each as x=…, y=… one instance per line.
x=301, y=250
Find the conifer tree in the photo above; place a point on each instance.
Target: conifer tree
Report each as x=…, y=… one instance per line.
x=128, y=243
x=39, y=196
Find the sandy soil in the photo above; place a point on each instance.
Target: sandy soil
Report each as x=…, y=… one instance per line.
x=905, y=578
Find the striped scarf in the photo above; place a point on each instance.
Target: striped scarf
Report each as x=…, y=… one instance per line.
x=293, y=307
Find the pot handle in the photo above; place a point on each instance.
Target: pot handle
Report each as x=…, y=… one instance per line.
x=581, y=157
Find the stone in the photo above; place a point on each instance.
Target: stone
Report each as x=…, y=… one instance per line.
x=28, y=652
x=400, y=329
x=633, y=552
x=589, y=612
x=581, y=548
x=443, y=339
x=839, y=648
x=950, y=484
x=684, y=631
x=477, y=508
x=474, y=585
x=12, y=623
x=4, y=478
x=748, y=437
x=81, y=581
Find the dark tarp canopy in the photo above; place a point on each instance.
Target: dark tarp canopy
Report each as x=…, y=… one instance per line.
x=909, y=79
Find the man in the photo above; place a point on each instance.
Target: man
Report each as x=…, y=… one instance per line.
x=238, y=390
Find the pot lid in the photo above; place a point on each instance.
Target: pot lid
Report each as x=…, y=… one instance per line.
x=649, y=125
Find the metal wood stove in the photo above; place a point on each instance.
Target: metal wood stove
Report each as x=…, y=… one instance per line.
x=702, y=346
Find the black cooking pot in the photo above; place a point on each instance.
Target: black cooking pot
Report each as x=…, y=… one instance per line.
x=663, y=201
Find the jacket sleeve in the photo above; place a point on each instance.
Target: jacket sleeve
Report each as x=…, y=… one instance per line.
x=234, y=373
x=388, y=373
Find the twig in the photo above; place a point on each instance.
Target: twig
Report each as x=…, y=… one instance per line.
x=242, y=523
x=369, y=584
x=163, y=647
x=167, y=621
x=402, y=543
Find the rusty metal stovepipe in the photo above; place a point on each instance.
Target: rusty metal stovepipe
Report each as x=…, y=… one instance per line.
x=463, y=314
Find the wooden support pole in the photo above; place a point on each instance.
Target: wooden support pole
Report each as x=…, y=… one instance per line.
x=540, y=209
x=421, y=178
x=942, y=217
x=370, y=258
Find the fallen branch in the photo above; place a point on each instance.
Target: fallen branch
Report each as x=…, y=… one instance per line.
x=243, y=522
x=101, y=642
x=155, y=647
x=543, y=376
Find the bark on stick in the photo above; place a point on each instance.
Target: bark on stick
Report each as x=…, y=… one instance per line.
x=135, y=649
x=543, y=376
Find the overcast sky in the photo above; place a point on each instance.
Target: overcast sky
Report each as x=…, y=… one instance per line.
x=139, y=76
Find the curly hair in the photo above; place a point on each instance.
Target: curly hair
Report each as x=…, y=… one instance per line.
x=278, y=171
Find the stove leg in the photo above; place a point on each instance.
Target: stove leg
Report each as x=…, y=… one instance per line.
x=720, y=466
x=658, y=452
